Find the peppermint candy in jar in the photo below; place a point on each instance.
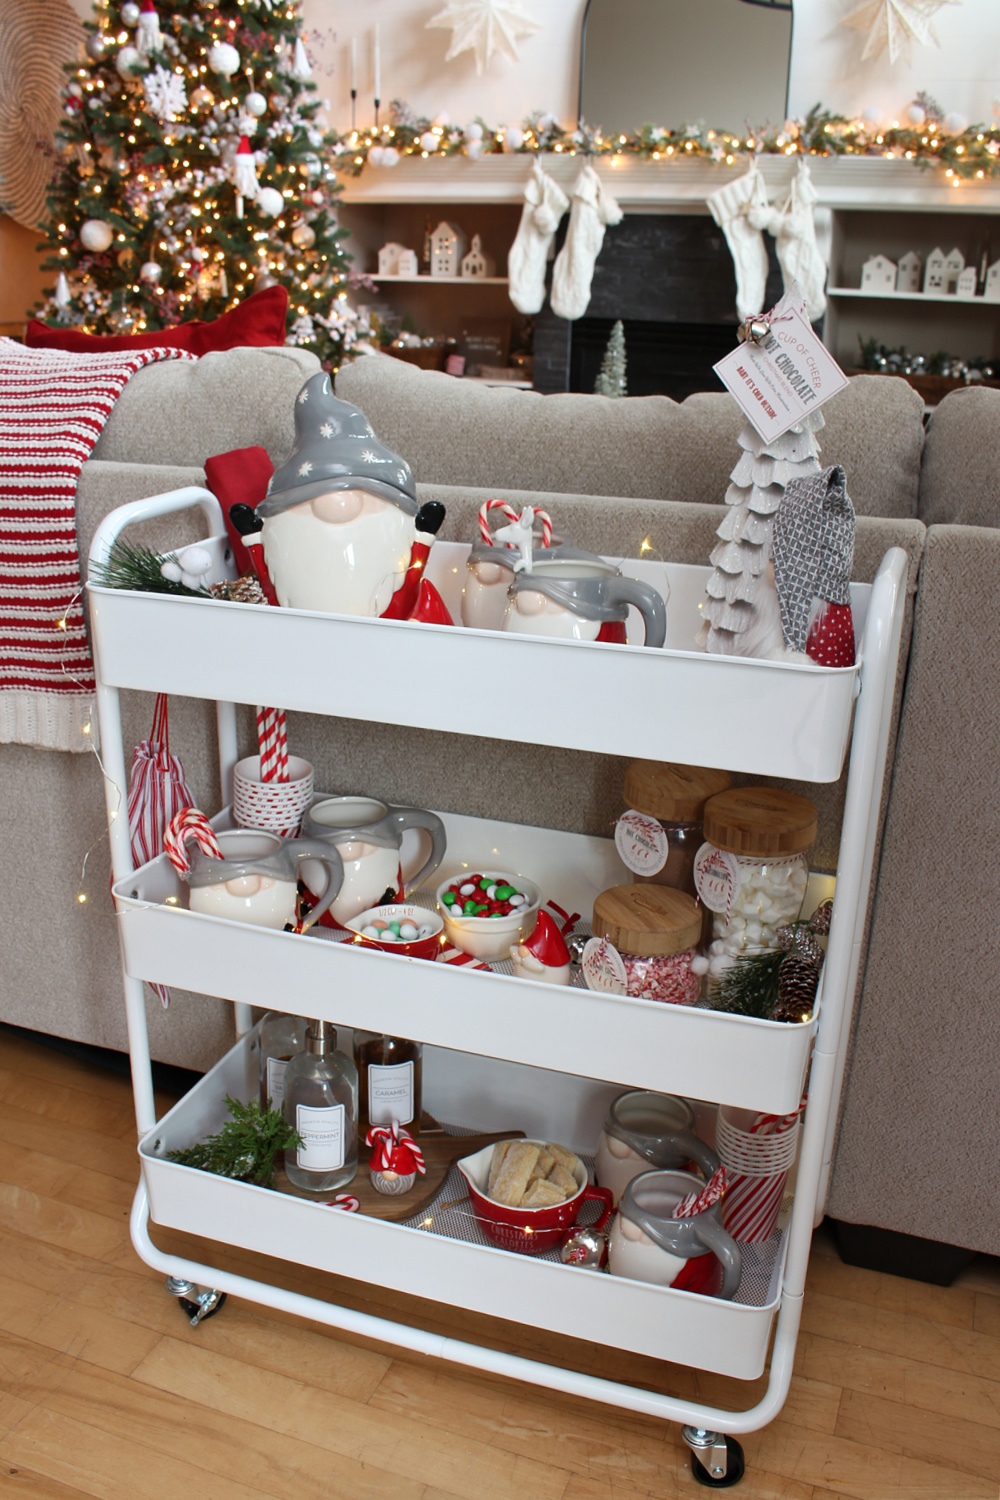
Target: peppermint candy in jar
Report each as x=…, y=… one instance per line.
x=656, y=931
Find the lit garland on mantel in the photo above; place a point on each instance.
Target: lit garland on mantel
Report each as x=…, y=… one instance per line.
x=967, y=154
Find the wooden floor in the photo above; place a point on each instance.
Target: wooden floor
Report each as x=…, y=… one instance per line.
x=106, y=1391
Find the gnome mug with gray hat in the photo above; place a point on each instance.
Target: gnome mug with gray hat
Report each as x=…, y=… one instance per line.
x=343, y=531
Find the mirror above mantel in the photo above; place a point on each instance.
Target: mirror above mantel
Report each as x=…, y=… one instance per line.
x=668, y=62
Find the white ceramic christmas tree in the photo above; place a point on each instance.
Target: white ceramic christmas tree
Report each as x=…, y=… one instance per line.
x=741, y=609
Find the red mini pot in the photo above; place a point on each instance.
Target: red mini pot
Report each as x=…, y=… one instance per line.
x=528, y=1231
x=425, y=947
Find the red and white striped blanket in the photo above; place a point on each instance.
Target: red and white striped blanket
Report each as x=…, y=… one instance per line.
x=52, y=409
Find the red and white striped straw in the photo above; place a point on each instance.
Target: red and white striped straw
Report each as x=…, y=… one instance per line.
x=764, y=1124
x=697, y=1203
x=512, y=515
x=272, y=739
x=189, y=823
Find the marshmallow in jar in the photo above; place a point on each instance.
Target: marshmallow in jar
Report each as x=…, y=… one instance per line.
x=656, y=931
x=752, y=869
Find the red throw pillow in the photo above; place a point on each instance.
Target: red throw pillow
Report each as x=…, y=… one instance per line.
x=258, y=321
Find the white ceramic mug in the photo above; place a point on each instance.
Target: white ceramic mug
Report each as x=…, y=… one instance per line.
x=367, y=835
x=581, y=600
x=256, y=880
x=647, y=1243
x=644, y=1129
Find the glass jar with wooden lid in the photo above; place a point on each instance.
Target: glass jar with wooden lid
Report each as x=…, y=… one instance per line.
x=675, y=797
x=656, y=931
x=752, y=869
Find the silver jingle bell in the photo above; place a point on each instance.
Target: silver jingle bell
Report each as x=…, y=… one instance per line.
x=576, y=945
x=584, y=1247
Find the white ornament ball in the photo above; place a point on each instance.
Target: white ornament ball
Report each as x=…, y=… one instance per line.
x=96, y=235
x=270, y=202
x=513, y=139
x=429, y=141
x=130, y=13
x=474, y=150
x=150, y=272
x=75, y=90
x=474, y=132
x=197, y=254
x=255, y=104
x=376, y=156
x=916, y=114
x=127, y=61
x=277, y=102
x=442, y=119
x=223, y=59
x=317, y=197
x=390, y=157
x=171, y=571
x=304, y=235
x=956, y=123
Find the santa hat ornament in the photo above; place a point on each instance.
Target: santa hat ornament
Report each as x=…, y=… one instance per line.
x=543, y=954
x=813, y=551
x=244, y=174
x=147, y=36
x=395, y=1161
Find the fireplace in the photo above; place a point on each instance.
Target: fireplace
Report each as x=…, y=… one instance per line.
x=670, y=279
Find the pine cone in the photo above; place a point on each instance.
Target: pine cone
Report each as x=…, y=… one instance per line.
x=819, y=922
x=798, y=981
x=245, y=590
x=797, y=938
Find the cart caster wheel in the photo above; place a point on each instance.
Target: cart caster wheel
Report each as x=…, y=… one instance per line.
x=717, y=1461
x=197, y=1303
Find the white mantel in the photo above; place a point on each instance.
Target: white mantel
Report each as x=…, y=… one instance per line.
x=654, y=186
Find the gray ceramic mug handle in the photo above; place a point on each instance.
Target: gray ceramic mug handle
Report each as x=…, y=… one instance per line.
x=328, y=855
x=689, y=1145
x=721, y=1243
x=647, y=601
x=419, y=817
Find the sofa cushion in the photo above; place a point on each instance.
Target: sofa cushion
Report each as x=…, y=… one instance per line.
x=231, y=399
x=646, y=447
x=258, y=320
x=960, y=479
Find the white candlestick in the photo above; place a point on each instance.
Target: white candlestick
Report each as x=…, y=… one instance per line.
x=378, y=64
x=354, y=64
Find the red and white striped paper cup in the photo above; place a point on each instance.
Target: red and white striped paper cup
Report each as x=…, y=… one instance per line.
x=757, y=1163
x=276, y=806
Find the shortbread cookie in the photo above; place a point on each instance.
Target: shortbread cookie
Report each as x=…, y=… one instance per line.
x=515, y=1171
x=542, y=1194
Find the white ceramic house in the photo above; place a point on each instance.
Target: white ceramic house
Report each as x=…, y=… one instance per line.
x=953, y=267
x=965, y=287
x=396, y=260
x=447, y=249
x=908, y=271
x=477, y=264
x=878, y=275
x=934, y=272
x=992, y=292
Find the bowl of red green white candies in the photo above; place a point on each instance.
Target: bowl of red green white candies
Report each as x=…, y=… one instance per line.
x=398, y=927
x=487, y=910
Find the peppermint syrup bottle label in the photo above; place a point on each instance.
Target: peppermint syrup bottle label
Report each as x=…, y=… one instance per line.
x=322, y=1131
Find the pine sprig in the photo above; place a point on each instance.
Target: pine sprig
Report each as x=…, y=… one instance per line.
x=749, y=987
x=135, y=567
x=247, y=1146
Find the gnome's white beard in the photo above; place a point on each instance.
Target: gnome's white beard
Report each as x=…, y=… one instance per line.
x=351, y=567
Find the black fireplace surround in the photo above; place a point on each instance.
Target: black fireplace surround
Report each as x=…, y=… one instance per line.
x=670, y=279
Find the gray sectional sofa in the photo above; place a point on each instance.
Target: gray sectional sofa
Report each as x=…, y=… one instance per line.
x=920, y=1122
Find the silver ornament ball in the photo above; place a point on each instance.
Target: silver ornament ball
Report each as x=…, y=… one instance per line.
x=128, y=62
x=150, y=272
x=584, y=1247
x=304, y=235
x=130, y=13
x=96, y=47
x=255, y=104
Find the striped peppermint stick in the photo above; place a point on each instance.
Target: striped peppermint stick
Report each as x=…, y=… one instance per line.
x=189, y=823
x=347, y=1202
x=697, y=1203
x=272, y=738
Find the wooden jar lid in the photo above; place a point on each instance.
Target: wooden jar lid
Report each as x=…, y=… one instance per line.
x=648, y=919
x=760, y=820
x=672, y=793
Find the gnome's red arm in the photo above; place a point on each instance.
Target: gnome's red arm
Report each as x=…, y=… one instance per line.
x=415, y=588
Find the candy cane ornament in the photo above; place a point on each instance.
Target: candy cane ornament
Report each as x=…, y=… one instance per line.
x=528, y=514
x=187, y=824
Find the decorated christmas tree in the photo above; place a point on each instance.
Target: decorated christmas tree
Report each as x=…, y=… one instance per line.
x=192, y=174
x=741, y=609
x=611, y=379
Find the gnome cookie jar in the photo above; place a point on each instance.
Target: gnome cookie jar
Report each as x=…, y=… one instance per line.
x=343, y=531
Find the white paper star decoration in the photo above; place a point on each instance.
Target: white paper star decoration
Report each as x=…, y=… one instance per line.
x=485, y=27
x=894, y=25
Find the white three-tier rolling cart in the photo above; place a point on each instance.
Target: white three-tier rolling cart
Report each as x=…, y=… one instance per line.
x=500, y=1053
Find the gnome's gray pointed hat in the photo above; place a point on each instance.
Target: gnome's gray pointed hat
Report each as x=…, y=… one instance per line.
x=335, y=449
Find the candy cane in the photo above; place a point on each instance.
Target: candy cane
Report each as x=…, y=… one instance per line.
x=512, y=515
x=347, y=1202
x=697, y=1203
x=386, y=1138
x=187, y=824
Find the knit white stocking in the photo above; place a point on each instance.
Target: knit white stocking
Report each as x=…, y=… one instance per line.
x=794, y=230
x=544, y=205
x=730, y=207
x=592, y=210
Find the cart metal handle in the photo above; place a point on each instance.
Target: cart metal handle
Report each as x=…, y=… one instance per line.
x=149, y=509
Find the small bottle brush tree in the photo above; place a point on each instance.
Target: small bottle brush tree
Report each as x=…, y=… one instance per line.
x=611, y=380
x=192, y=174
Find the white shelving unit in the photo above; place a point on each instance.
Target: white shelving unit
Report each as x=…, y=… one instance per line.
x=500, y=1053
x=451, y=281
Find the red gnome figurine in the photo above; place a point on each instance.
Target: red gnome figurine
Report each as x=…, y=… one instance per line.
x=396, y=1159
x=542, y=955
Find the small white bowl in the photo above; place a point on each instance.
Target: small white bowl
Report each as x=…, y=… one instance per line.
x=491, y=937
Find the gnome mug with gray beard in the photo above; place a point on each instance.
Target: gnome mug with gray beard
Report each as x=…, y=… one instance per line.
x=343, y=532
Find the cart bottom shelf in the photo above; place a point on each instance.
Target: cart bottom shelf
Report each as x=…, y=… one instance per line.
x=442, y=1255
